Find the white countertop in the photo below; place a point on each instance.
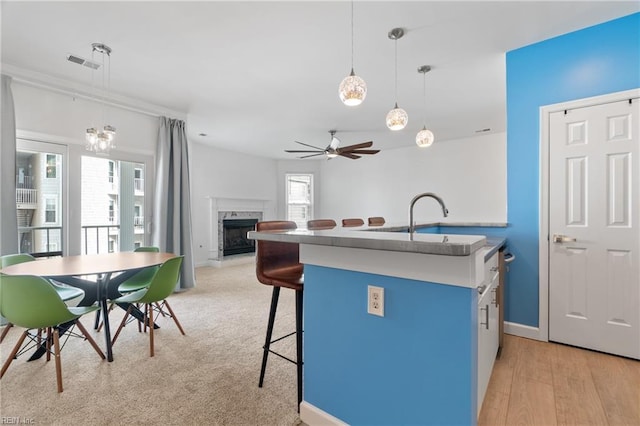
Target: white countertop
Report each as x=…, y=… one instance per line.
x=452, y=245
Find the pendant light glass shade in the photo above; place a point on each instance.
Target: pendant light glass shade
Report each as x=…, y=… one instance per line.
x=424, y=138
x=101, y=141
x=352, y=89
x=397, y=118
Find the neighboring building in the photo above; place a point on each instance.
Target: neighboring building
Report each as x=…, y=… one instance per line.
x=112, y=212
x=112, y=205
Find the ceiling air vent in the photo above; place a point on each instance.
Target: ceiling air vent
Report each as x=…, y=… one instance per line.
x=81, y=61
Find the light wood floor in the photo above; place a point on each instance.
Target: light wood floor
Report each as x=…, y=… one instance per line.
x=538, y=383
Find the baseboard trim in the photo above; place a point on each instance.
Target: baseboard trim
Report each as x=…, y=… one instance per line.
x=312, y=415
x=522, y=330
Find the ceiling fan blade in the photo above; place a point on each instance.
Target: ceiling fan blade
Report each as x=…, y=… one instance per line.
x=312, y=155
x=310, y=146
x=296, y=151
x=364, y=151
x=349, y=155
x=356, y=146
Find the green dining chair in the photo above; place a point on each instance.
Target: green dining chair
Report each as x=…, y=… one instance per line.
x=143, y=278
x=137, y=282
x=162, y=285
x=32, y=302
x=65, y=292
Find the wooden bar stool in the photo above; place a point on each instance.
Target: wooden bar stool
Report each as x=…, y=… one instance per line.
x=376, y=221
x=278, y=265
x=316, y=224
x=352, y=222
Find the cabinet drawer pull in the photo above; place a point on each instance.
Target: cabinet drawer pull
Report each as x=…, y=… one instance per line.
x=494, y=269
x=486, y=312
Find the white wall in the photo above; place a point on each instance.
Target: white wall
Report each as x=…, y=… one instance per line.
x=224, y=174
x=65, y=117
x=469, y=174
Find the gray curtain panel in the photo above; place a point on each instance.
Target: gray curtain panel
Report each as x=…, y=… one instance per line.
x=8, y=214
x=172, y=201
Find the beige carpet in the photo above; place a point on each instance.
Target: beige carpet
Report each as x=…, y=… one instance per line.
x=210, y=376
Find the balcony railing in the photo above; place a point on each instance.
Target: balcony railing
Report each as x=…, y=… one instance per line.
x=26, y=182
x=98, y=238
x=26, y=196
x=41, y=241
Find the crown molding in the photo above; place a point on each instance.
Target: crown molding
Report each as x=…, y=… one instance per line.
x=68, y=87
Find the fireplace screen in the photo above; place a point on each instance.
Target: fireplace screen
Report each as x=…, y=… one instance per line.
x=234, y=234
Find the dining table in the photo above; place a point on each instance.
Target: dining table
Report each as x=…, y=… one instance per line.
x=103, y=266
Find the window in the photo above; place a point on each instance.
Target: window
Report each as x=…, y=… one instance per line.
x=299, y=190
x=51, y=207
x=138, y=180
x=51, y=170
x=112, y=210
x=112, y=171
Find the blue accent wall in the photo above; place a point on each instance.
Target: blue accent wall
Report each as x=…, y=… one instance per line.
x=415, y=365
x=594, y=61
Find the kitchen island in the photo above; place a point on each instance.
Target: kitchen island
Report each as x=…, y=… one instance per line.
x=420, y=363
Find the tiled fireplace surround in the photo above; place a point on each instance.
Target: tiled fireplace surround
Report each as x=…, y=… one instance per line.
x=231, y=208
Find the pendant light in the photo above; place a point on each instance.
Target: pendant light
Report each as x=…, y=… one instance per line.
x=100, y=140
x=352, y=89
x=425, y=137
x=397, y=118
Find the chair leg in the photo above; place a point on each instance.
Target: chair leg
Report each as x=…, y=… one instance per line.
x=122, y=324
x=175, y=318
x=48, y=342
x=5, y=331
x=90, y=339
x=13, y=353
x=272, y=316
x=150, y=309
x=299, y=361
x=96, y=322
x=56, y=348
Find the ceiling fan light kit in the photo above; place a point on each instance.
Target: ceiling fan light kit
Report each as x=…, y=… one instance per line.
x=352, y=89
x=425, y=137
x=397, y=118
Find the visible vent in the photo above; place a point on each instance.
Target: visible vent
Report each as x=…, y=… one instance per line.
x=81, y=61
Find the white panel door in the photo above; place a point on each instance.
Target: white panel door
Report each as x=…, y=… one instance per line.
x=594, y=249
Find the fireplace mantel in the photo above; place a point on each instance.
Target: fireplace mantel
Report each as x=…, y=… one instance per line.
x=221, y=208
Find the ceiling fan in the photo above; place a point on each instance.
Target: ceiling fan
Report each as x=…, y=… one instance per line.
x=333, y=149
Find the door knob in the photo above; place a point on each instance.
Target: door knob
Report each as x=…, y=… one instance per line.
x=558, y=238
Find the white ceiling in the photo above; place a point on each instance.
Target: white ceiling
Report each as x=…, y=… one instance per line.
x=255, y=76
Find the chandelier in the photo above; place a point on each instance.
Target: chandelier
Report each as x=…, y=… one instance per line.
x=99, y=139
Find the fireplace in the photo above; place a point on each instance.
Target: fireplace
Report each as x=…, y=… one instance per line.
x=234, y=236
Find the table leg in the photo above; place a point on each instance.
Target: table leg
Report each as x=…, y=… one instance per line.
x=103, y=284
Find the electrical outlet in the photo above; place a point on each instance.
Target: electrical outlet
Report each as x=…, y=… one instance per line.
x=375, y=300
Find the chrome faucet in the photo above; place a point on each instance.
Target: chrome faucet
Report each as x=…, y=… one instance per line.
x=412, y=226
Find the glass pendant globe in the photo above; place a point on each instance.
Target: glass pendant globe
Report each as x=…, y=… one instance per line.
x=397, y=118
x=352, y=90
x=424, y=138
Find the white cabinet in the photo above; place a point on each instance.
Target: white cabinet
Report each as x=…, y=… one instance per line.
x=488, y=327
